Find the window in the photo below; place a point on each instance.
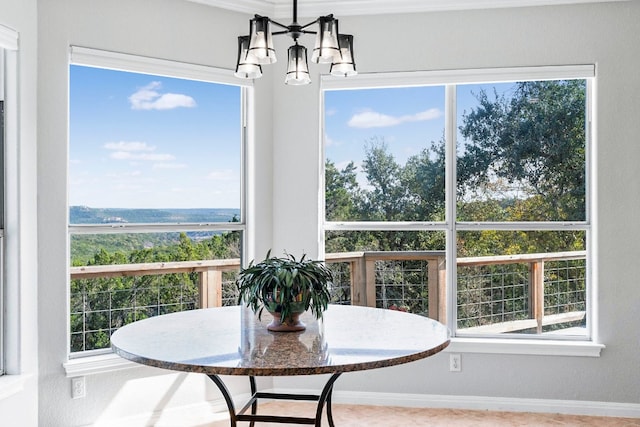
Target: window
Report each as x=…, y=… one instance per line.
x=2, y=203
x=9, y=190
x=487, y=171
x=156, y=196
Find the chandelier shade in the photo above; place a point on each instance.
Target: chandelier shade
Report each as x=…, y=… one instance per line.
x=344, y=65
x=261, y=40
x=297, y=68
x=331, y=47
x=326, y=49
x=248, y=66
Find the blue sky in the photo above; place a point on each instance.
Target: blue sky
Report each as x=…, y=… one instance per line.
x=143, y=141
x=407, y=119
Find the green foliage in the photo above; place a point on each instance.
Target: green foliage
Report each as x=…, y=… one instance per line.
x=283, y=284
x=386, y=199
x=522, y=158
x=342, y=193
x=99, y=306
x=534, y=138
x=424, y=177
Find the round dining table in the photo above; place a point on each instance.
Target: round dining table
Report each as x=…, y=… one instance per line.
x=235, y=341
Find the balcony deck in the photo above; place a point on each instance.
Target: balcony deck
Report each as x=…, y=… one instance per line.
x=527, y=293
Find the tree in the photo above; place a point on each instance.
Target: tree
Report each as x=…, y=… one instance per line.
x=342, y=192
x=534, y=140
x=424, y=176
x=385, y=200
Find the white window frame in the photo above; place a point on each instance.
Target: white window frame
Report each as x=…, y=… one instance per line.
x=12, y=335
x=2, y=213
x=97, y=361
x=588, y=346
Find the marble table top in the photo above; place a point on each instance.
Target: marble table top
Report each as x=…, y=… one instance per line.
x=232, y=341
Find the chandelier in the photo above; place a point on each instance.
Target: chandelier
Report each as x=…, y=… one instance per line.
x=331, y=47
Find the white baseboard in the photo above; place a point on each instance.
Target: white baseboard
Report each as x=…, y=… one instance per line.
x=483, y=403
x=201, y=412
x=571, y=407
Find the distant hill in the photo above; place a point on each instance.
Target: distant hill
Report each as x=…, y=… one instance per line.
x=87, y=215
x=85, y=246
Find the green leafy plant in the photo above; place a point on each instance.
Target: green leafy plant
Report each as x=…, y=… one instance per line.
x=285, y=285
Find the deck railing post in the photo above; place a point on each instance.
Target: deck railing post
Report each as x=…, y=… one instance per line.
x=370, y=281
x=358, y=283
x=210, y=287
x=437, y=279
x=203, y=290
x=536, y=293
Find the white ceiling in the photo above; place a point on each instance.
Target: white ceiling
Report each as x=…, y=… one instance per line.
x=307, y=8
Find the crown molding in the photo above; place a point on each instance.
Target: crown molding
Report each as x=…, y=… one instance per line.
x=307, y=8
x=260, y=7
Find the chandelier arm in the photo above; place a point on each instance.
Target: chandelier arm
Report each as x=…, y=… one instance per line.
x=309, y=24
x=284, y=27
x=289, y=32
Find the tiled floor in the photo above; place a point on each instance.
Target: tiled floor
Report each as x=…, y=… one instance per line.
x=378, y=416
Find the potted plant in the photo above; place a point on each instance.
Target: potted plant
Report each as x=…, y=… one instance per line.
x=286, y=287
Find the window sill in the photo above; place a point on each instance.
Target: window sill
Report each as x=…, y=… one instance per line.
x=11, y=384
x=91, y=365
x=525, y=347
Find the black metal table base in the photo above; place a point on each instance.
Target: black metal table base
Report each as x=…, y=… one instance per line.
x=323, y=398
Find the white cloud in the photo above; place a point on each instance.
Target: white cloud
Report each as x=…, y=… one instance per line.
x=128, y=155
x=124, y=175
x=222, y=175
x=129, y=146
x=169, y=166
x=373, y=119
x=149, y=98
x=135, y=150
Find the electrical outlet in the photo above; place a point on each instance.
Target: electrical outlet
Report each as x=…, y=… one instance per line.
x=455, y=363
x=78, y=389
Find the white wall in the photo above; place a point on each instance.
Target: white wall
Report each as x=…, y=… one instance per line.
x=603, y=34
x=287, y=157
x=18, y=405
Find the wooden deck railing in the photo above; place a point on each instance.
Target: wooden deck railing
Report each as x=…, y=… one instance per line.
x=209, y=274
x=536, y=265
x=363, y=276
x=362, y=280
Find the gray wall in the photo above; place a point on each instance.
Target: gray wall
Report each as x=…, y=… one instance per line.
x=20, y=311
x=286, y=182
x=603, y=34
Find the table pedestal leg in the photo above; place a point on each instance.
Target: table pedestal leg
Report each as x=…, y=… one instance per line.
x=234, y=417
x=227, y=398
x=325, y=396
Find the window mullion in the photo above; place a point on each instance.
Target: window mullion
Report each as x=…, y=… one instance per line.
x=450, y=203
